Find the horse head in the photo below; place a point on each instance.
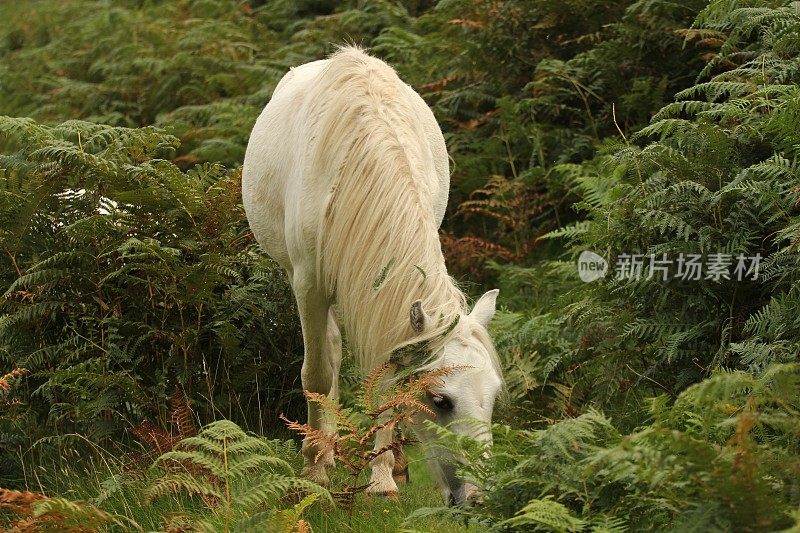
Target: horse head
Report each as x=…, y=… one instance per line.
x=463, y=399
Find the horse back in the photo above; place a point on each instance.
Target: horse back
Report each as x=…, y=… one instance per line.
x=285, y=190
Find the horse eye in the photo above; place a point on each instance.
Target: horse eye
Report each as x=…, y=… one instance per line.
x=442, y=403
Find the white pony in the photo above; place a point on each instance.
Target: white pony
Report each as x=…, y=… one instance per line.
x=345, y=184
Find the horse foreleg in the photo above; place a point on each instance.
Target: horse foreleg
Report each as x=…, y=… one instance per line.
x=333, y=355
x=317, y=373
x=381, y=480
x=400, y=470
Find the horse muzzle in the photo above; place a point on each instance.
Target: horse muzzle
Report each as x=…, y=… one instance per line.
x=457, y=492
x=466, y=493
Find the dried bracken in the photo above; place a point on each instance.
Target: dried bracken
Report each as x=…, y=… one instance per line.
x=303, y=527
x=181, y=414
x=39, y=513
x=388, y=403
x=20, y=503
x=159, y=440
x=7, y=380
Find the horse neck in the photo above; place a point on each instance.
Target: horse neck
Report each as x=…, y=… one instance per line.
x=378, y=320
x=378, y=244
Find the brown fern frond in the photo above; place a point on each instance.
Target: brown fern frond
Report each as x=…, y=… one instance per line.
x=181, y=414
x=702, y=37
x=371, y=383
x=178, y=524
x=19, y=501
x=438, y=85
x=39, y=513
x=406, y=400
x=373, y=429
x=317, y=438
x=433, y=378
x=346, y=497
x=20, y=296
x=394, y=445
x=480, y=247
x=400, y=471
x=302, y=527
x=401, y=400
x=466, y=23
x=468, y=254
x=482, y=208
x=331, y=407
x=154, y=437
x=514, y=206
x=8, y=379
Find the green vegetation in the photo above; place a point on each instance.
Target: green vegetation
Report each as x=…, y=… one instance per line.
x=139, y=306
x=723, y=456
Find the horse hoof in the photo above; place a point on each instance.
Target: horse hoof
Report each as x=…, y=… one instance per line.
x=382, y=487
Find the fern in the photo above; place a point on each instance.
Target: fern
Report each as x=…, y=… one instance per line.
x=722, y=454
x=234, y=473
x=389, y=400
x=547, y=514
x=129, y=223
x=40, y=513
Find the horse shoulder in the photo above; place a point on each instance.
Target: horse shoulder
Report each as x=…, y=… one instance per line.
x=273, y=172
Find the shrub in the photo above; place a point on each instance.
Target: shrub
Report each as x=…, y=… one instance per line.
x=722, y=457
x=715, y=173
x=130, y=277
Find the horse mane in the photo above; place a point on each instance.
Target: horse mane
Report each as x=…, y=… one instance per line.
x=378, y=250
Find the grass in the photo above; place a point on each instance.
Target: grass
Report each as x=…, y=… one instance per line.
x=75, y=469
x=386, y=515
x=116, y=479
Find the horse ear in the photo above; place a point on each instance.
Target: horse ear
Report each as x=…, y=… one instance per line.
x=419, y=318
x=485, y=307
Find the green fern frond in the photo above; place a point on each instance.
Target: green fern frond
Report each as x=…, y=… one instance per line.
x=548, y=514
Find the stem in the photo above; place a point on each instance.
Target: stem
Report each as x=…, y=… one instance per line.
x=504, y=137
x=227, y=485
x=614, y=115
x=648, y=378
x=14, y=262
x=586, y=105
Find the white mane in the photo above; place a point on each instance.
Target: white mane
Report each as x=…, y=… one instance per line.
x=379, y=248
